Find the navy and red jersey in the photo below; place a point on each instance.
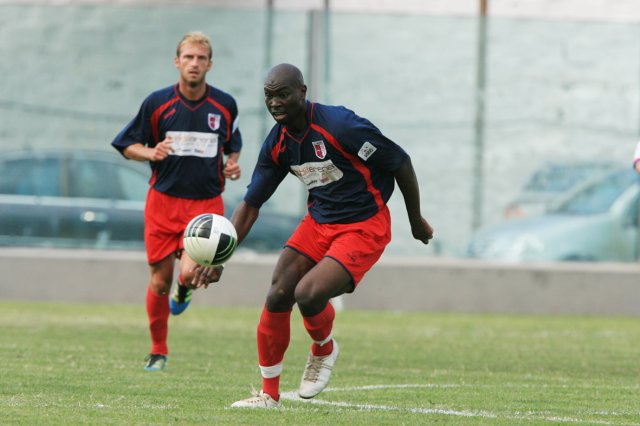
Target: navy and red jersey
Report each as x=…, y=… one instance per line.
x=201, y=131
x=344, y=161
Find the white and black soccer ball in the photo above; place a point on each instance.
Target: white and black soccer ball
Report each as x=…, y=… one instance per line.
x=210, y=239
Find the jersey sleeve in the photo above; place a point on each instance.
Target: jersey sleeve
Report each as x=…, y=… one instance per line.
x=267, y=174
x=137, y=131
x=363, y=139
x=234, y=144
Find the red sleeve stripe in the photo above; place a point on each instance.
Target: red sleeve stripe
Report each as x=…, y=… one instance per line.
x=155, y=117
x=355, y=162
x=277, y=149
x=227, y=115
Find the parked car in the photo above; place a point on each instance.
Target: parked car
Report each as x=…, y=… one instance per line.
x=598, y=223
x=551, y=185
x=92, y=199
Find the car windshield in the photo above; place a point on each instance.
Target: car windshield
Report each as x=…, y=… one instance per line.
x=599, y=197
x=559, y=178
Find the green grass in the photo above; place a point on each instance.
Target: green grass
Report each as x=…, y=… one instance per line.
x=68, y=364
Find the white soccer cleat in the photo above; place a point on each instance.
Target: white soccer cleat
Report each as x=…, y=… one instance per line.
x=258, y=400
x=317, y=373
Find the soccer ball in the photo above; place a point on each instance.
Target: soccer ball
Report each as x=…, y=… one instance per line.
x=210, y=239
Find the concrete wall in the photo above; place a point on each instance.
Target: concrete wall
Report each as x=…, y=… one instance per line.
x=445, y=285
x=598, y=10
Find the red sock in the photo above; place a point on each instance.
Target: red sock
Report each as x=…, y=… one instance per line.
x=274, y=332
x=158, y=313
x=319, y=328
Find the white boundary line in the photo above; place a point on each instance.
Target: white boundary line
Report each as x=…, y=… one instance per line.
x=293, y=396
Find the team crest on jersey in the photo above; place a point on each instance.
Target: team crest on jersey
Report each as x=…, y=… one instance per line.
x=321, y=150
x=214, y=121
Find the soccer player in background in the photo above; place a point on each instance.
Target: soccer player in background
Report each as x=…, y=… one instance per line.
x=349, y=169
x=184, y=131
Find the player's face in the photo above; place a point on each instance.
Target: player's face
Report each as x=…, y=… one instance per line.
x=193, y=63
x=286, y=103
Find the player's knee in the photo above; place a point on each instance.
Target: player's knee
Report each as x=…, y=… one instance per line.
x=160, y=287
x=279, y=300
x=309, y=296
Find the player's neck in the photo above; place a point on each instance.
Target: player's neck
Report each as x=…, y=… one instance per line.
x=192, y=93
x=301, y=122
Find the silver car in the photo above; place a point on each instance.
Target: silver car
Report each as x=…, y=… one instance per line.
x=598, y=223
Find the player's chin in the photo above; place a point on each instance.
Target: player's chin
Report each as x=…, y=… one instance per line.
x=194, y=82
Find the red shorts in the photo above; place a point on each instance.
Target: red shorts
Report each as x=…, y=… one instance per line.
x=165, y=219
x=356, y=246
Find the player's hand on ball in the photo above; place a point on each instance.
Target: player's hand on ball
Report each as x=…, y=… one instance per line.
x=205, y=275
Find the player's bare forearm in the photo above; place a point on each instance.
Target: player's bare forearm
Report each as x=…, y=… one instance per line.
x=408, y=183
x=243, y=218
x=140, y=152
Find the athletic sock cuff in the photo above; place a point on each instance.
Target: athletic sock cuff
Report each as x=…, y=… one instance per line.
x=326, y=316
x=274, y=319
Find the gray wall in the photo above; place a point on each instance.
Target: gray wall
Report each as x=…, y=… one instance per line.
x=443, y=285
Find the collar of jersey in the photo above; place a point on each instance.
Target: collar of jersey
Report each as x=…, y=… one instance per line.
x=305, y=131
x=192, y=105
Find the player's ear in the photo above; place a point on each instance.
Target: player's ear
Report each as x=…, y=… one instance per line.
x=303, y=92
x=176, y=62
x=210, y=65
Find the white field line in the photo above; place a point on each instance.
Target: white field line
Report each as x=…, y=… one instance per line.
x=293, y=396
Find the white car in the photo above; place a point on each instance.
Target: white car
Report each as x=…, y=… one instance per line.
x=551, y=185
x=597, y=223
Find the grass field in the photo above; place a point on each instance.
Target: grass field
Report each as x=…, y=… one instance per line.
x=82, y=364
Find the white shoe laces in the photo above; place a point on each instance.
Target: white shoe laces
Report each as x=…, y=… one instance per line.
x=313, y=367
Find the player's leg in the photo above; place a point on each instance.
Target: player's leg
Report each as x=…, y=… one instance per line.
x=354, y=249
x=161, y=242
x=157, y=302
x=182, y=292
x=274, y=327
x=188, y=209
x=326, y=280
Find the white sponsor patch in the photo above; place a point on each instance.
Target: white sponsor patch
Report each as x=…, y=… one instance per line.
x=196, y=144
x=317, y=173
x=366, y=150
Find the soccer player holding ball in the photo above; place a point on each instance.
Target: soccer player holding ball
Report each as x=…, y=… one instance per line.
x=189, y=134
x=349, y=169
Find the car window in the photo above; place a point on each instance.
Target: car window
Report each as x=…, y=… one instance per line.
x=560, y=178
x=39, y=177
x=133, y=184
x=599, y=197
x=90, y=179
